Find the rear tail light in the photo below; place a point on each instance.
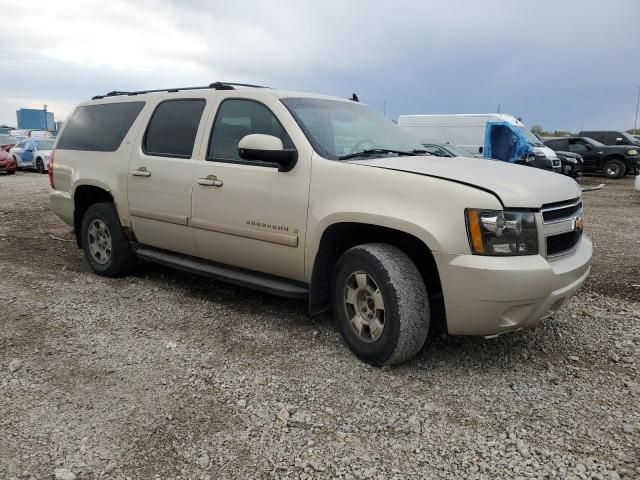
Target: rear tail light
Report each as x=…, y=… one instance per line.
x=50, y=168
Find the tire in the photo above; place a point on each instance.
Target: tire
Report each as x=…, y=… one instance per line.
x=614, y=168
x=40, y=166
x=392, y=281
x=106, y=247
x=16, y=160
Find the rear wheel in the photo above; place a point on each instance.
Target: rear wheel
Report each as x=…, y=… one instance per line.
x=613, y=169
x=380, y=304
x=16, y=160
x=40, y=165
x=104, y=242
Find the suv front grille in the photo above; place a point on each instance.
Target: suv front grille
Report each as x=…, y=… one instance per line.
x=557, y=212
x=563, y=243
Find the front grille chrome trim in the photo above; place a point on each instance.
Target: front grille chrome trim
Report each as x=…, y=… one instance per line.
x=574, y=208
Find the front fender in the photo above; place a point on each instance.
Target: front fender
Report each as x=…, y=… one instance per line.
x=428, y=208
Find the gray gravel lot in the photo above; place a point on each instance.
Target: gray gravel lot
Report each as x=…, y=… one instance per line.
x=168, y=375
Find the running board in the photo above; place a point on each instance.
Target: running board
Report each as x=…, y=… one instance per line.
x=244, y=278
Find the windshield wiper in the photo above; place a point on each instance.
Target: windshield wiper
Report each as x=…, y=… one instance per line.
x=378, y=151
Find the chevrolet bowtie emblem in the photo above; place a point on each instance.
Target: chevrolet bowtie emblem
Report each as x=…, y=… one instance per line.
x=579, y=223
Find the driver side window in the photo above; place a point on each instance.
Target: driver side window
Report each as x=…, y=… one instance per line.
x=577, y=146
x=236, y=119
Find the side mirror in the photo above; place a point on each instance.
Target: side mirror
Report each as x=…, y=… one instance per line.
x=588, y=146
x=480, y=149
x=267, y=148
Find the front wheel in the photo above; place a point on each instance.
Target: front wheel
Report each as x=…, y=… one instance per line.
x=380, y=304
x=614, y=169
x=104, y=242
x=40, y=165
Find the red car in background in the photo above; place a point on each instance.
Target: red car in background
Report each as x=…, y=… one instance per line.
x=7, y=163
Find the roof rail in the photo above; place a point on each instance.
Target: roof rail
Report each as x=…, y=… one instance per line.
x=214, y=85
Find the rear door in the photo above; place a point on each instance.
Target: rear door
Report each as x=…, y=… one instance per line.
x=161, y=173
x=247, y=213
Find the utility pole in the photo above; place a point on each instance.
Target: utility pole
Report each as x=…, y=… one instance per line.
x=635, y=123
x=498, y=108
x=384, y=107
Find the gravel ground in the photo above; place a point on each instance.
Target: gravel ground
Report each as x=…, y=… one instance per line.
x=167, y=375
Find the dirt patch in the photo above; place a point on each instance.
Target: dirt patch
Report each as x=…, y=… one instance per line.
x=168, y=375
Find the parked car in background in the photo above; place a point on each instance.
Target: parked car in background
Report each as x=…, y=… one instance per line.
x=571, y=163
x=637, y=185
x=8, y=141
x=611, y=161
x=32, y=133
x=494, y=135
x=611, y=137
x=7, y=163
x=447, y=150
x=33, y=153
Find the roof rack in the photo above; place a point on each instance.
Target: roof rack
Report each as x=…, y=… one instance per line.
x=214, y=85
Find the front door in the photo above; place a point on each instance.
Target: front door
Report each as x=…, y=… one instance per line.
x=28, y=154
x=161, y=174
x=246, y=213
x=589, y=153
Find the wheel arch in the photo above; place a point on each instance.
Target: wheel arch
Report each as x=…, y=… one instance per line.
x=84, y=196
x=615, y=156
x=338, y=237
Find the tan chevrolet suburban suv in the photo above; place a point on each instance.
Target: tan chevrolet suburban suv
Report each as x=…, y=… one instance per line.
x=311, y=196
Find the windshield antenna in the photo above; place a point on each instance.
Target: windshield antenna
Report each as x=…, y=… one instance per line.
x=354, y=98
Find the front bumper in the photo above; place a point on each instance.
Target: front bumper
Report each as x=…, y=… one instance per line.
x=632, y=161
x=492, y=295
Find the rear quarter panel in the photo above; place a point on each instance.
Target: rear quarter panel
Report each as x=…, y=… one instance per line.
x=106, y=170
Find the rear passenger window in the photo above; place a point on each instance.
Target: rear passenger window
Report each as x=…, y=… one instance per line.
x=237, y=119
x=173, y=127
x=99, y=128
x=556, y=144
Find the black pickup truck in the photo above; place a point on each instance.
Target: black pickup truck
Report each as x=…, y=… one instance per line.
x=613, y=161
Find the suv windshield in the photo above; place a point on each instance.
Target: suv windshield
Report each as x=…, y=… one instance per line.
x=336, y=128
x=629, y=138
x=593, y=142
x=529, y=137
x=458, y=151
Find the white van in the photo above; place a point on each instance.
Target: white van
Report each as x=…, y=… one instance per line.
x=42, y=134
x=495, y=135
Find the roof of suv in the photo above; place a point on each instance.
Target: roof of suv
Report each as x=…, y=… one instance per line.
x=214, y=87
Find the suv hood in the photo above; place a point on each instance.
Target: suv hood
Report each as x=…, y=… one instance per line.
x=517, y=186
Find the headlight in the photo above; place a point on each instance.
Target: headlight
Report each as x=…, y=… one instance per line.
x=501, y=232
x=633, y=151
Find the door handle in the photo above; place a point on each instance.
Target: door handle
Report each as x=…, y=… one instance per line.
x=141, y=172
x=210, y=181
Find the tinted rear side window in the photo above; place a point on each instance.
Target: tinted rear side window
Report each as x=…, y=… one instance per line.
x=173, y=127
x=99, y=128
x=556, y=144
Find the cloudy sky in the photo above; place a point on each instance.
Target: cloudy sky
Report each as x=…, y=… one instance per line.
x=561, y=64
